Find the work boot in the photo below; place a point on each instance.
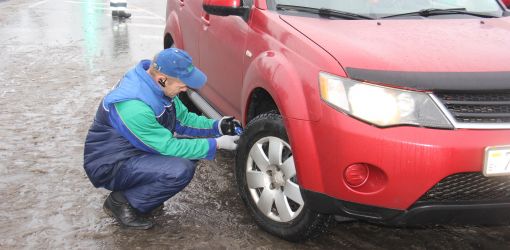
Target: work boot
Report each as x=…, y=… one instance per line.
x=124, y=14
x=118, y=207
x=154, y=212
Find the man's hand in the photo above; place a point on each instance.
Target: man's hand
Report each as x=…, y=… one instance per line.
x=227, y=125
x=227, y=142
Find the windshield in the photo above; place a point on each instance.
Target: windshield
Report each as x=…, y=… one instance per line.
x=379, y=8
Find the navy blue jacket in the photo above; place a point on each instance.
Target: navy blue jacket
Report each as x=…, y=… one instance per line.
x=106, y=148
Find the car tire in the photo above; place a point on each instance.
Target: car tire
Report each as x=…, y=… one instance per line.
x=265, y=173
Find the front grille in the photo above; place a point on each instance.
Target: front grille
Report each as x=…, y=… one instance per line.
x=478, y=107
x=469, y=187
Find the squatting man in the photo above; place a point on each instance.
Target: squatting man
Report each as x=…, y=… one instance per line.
x=131, y=149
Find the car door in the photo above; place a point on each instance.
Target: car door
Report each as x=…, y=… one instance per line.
x=222, y=54
x=189, y=13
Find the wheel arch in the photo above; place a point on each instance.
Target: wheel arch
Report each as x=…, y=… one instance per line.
x=172, y=35
x=272, y=82
x=260, y=102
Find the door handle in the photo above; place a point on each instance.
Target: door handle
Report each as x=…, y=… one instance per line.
x=205, y=18
x=181, y=3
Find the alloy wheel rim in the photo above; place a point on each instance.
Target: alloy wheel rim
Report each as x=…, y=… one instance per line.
x=271, y=179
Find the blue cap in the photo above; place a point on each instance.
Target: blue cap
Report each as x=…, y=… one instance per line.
x=178, y=64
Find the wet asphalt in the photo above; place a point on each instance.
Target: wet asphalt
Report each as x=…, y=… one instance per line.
x=57, y=59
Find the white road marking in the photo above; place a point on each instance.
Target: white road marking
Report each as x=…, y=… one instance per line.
x=107, y=8
x=7, y=91
x=149, y=12
x=131, y=8
x=37, y=4
x=82, y=2
x=144, y=17
x=147, y=25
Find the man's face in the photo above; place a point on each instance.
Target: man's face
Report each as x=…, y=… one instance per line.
x=173, y=86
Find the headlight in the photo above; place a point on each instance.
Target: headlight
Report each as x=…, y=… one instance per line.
x=379, y=105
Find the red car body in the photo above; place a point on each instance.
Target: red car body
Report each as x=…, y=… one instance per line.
x=282, y=55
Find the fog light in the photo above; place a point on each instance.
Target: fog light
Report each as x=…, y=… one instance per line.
x=356, y=175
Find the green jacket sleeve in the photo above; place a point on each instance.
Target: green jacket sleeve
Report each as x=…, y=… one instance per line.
x=191, y=124
x=143, y=130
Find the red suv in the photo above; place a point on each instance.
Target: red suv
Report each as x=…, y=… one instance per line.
x=391, y=111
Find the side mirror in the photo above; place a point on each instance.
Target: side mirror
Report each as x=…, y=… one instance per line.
x=225, y=8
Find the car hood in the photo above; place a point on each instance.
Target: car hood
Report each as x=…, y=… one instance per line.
x=427, y=54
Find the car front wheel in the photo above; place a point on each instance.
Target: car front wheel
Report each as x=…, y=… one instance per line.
x=267, y=181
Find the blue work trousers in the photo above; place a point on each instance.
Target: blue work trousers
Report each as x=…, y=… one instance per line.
x=149, y=180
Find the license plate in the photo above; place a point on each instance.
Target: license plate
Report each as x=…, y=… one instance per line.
x=497, y=161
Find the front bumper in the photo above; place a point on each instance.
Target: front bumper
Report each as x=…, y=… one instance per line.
x=479, y=213
x=413, y=159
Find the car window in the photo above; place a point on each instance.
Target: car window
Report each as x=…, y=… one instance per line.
x=377, y=8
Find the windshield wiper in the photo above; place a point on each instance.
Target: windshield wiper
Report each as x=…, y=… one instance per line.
x=338, y=13
x=323, y=12
x=434, y=12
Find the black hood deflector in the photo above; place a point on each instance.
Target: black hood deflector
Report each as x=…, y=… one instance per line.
x=435, y=81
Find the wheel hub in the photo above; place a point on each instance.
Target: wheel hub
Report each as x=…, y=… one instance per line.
x=276, y=177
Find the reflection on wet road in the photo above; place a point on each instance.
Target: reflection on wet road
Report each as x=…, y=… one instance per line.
x=58, y=58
